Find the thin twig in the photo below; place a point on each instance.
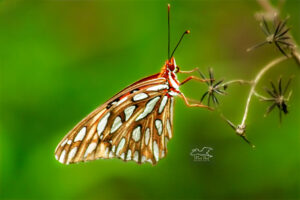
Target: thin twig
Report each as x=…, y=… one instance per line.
x=261, y=96
x=269, y=11
x=266, y=5
x=240, y=81
x=256, y=80
x=290, y=94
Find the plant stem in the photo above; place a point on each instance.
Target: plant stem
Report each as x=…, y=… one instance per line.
x=240, y=81
x=256, y=80
x=266, y=5
x=260, y=96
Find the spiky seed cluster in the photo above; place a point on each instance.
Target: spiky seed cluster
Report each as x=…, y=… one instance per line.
x=278, y=35
x=277, y=97
x=240, y=130
x=214, y=87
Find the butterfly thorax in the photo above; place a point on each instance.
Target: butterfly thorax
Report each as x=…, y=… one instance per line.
x=169, y=71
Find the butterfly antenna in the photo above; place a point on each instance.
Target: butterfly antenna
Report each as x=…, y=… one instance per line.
x=169, y=31
x=185, y=32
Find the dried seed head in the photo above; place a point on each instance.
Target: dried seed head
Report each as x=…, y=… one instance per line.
x=278, y=35
x=277, y=97
x=214, y=87
x=240, y=130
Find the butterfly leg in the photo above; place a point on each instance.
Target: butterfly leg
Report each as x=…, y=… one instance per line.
x=198, y=104
x=190, y=71
x=194, y=78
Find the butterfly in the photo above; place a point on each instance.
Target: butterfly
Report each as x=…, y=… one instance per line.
x=135, y=124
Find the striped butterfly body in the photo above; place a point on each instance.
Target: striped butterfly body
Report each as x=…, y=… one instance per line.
x=136, y=124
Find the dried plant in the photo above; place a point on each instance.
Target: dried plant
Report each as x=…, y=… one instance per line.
x=277, y=98
x=279, y=35
x=213, y=88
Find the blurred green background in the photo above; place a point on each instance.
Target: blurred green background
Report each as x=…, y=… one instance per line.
x=60, y=59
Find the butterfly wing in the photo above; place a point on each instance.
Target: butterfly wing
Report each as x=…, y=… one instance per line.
x=134, y=125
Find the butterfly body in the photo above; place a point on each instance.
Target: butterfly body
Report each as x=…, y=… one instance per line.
x=169, y=73
x=135, y=124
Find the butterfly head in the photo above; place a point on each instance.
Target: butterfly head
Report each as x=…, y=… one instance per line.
x=171, y=65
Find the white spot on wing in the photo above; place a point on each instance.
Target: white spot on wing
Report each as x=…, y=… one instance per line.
x=134, y=91
x=128, y=157
x=80, y=135
x=62, y=156
x=72, y=153
x=172, y=93
x=158, y=125
x=148, y=109
x=106, y=151
x=163, y=104
x=136, y=134
x=158, y=87
x=122, y=156
x=136, y=156
x=143, y=159
x=155, y=151
x=140, y=96
x=64, y=142
x=113, y=149
x=147, y=136
x=149, y=161
x=102, y=124
x=90, y=148
x=122, y=100
x=173, y=82
x=166, y=141
x=97, y=116
x=121, y=145
x=69, y=142
x=169, y=129
x=128, y=112
x=162, y=153
x=117, y=123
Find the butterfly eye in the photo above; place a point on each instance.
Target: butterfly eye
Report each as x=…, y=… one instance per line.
x=171, y=67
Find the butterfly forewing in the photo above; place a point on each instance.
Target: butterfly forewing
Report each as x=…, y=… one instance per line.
x=134, y=125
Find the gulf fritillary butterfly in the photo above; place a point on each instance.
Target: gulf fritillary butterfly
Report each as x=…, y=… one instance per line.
x=136, y=124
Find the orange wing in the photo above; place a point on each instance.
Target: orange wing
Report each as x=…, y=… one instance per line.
x=135, y=124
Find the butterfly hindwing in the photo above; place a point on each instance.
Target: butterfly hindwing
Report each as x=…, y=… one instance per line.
x=145, y=137
x=120, y=128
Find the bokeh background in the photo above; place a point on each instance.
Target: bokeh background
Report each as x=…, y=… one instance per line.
x=59, y=60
